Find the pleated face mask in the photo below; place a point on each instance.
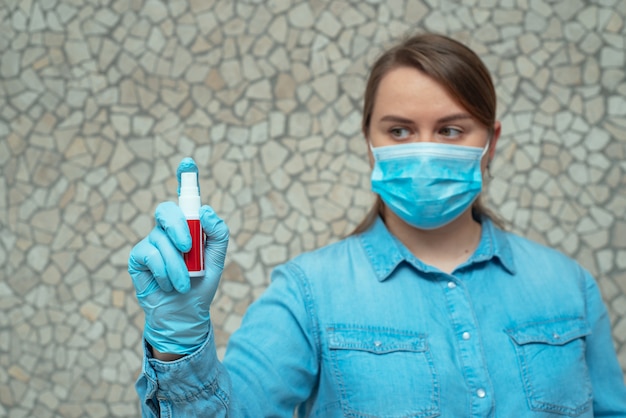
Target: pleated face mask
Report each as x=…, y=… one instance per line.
x=427, y=184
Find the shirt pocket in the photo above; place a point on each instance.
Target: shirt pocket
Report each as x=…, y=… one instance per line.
x=553, y=368
x=383, y=372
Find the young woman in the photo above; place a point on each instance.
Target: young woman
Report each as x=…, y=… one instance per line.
x=428, y=309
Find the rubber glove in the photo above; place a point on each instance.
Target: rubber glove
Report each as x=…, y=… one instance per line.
x=176, y=307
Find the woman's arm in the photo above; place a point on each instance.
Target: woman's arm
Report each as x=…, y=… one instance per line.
x=194, y=385
x=609, y=391
x=271, y=364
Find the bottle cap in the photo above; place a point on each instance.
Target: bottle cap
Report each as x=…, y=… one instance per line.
x=189, y=184
x=189, y=198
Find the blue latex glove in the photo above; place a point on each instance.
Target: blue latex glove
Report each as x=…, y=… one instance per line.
x=177, y=307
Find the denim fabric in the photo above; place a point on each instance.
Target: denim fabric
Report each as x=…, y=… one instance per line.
x=362, y=328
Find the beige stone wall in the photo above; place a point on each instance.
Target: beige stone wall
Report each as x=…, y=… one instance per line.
x=100, y=99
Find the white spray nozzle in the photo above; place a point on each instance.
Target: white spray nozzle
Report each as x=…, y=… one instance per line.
x=189, y=198
x=189, y=184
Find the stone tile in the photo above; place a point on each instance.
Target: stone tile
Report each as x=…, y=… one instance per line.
x=102, y=102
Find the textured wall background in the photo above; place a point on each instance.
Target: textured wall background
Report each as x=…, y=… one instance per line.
x=100, y=99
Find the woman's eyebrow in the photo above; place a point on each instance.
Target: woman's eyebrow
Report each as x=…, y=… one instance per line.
x=396, y=119
x=446, y=119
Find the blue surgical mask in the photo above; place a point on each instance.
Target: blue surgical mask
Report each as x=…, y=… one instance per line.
x=427, y=184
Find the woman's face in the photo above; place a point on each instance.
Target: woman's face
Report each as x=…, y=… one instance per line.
x=412, y=107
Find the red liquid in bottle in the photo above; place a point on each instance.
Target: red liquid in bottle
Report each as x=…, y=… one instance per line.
x=194, y=259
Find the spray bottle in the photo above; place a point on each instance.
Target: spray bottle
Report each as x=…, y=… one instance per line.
x=189, y=202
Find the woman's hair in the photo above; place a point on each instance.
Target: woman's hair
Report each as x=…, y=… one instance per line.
x=457, y=69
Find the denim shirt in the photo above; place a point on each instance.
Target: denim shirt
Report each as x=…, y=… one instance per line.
x=362, y=328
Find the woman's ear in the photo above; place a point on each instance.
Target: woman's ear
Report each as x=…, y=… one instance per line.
x=491, y=151
x=497, y=129
x=369, y=148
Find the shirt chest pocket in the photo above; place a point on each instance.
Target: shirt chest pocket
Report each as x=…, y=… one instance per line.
x=383, y=373
x=553, y=367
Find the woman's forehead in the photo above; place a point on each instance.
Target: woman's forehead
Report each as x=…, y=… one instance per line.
x=406, y=89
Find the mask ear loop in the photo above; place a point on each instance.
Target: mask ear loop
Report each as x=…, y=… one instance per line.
x=371, y=148
x=486, y=147
x=485, y=150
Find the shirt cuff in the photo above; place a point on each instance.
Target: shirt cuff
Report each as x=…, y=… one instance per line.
x=190, y=377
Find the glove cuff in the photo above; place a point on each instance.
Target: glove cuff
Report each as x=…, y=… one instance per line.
x=175, y=344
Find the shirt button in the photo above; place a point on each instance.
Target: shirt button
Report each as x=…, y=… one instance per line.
x=451, y=285
x=481, y=393
x=466, y=336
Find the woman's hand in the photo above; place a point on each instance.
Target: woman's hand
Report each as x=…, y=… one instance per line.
x=176, y=306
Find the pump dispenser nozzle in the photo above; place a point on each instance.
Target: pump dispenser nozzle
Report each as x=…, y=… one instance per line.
x=189, y=199
x=189, y=203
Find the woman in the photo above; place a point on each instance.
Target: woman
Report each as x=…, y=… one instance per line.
x=428, y=309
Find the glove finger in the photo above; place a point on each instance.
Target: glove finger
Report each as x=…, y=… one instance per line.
x=186, y=165
x=175, y=269
x=147, y=269
x=216, y=245
x=171, y=220
x=214, y=227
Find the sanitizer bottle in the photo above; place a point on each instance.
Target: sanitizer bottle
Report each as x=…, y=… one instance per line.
x=189, y=202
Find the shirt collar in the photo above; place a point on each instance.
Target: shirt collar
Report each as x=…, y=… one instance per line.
x=494, y=244
x=386, y=252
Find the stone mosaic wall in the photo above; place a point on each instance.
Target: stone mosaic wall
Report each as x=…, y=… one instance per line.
x=100, y=99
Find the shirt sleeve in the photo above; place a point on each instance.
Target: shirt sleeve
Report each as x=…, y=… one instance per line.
x=270, y=367
x=609, y=391
x=195, y=385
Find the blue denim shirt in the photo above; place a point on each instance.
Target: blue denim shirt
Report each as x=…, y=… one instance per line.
x=362, y=328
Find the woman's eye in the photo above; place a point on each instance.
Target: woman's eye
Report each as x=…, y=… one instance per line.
x=450, y=132
x=399, y=133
